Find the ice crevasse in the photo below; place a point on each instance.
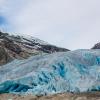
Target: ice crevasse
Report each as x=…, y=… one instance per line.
x=72, y=71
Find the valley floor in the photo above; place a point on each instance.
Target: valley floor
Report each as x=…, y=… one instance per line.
x=64, y=96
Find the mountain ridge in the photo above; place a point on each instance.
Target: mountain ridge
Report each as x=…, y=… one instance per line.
x=21, y=47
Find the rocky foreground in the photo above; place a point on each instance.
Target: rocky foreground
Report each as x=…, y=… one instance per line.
x=64, y=96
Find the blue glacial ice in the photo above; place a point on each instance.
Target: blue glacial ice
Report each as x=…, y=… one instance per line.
x=73, y=71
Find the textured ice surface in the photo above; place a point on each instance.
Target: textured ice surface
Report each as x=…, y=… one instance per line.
x=73, y=71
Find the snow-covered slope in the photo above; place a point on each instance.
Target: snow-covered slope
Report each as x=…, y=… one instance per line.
x=28, y=42
x=73, y=71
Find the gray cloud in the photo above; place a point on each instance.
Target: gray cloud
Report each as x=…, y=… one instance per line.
x=72, y=24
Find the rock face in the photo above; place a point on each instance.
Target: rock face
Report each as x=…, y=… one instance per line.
x=96, y=46
x=74, y=71
x=20, y=47
x=4, y=57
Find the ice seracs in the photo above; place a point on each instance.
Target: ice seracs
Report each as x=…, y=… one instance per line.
x=73, y=71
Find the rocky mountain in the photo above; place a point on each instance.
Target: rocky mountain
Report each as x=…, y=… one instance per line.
x=96, y=46
x=20, y=47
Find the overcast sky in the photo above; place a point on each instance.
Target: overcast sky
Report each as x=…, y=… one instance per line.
x=73, y=24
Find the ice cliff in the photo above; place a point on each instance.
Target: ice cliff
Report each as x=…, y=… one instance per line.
x=72, y=71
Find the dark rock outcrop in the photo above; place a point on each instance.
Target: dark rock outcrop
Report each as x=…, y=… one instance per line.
x=96, y=46
x=51, y=49
x=11, y=46
x=4, y=57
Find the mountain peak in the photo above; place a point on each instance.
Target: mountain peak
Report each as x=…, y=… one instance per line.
x=96, y=46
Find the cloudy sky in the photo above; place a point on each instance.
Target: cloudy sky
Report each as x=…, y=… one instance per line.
x=73, y=24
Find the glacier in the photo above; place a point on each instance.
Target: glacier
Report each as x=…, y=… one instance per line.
x=72, y=71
